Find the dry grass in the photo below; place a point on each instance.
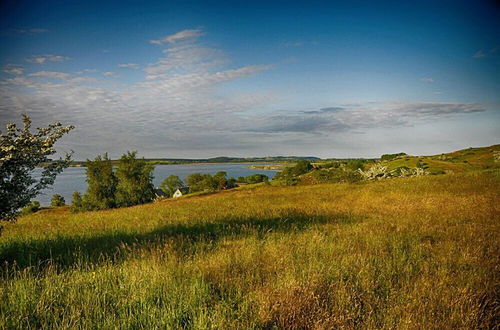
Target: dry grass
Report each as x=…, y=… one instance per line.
x=404, y=253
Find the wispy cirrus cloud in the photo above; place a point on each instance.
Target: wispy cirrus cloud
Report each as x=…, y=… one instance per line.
x=294, y=44
x=481, y=53
x=28, y=31
x=41, y=59
x=181, y=105
x=109, y=74
x=177, y=102
x=129, y=65
x=189, y=34
x=360, y=116
x=13, y=69
x=427, y=79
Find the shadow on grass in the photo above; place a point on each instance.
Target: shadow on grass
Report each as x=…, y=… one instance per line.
x=66, y=252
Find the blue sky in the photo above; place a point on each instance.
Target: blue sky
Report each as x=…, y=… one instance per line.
x=209, y=78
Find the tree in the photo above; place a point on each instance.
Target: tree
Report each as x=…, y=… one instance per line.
x=57, y=200
x=20, y=152
x=199, y=182
x=102, y=185
x=76, y=202
x=135, y=181
x=256, y=178
x=171, y=184
x=302, y=167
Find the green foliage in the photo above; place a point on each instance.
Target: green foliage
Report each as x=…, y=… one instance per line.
x=355, y=164
x=57, y=200
x=302, y=167
x=206, y=182
x=135, y=181
x=331, y=165
x=392, y=156
x=32, y=207
x=171, y=184
x=20, y=152
x=290, y=176
x=102, y=185
x=76, y=202
x=256, y=178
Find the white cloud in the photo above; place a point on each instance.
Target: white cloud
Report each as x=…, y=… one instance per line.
x=182, y=106
x=360, y=116
x=62, y=76
x=179, y=36
x=41, y=59
x=129, y=65
x=427, y=79
x=109, y=74
x=31, y=31
x=294, y=44
x=13, y=69
x=51, y=75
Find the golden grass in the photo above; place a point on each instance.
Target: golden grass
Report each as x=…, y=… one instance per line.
x=404, y=253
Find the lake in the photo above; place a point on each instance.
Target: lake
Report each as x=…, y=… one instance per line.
x=73, y=178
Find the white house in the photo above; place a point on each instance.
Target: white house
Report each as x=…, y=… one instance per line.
x=177, y=193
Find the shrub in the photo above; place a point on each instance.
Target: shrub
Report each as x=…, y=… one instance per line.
x=76, y=202
x=57, y=200
x=256, y=178
x=32, y=207
x=392, y=156
x=355, y=164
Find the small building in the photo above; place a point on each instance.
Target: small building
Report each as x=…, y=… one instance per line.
x=179, y=192
x=160, y=193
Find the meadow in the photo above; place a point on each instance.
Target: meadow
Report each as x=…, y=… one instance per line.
x=414, y=253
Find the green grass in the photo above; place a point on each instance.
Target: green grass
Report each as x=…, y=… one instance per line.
x=401, y=253
x=454, y=162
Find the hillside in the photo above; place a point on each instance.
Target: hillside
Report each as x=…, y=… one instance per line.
x=402, y=253
x=457, y=161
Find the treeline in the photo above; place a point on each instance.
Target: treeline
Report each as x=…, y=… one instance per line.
x=197, y=182
x=130, y=184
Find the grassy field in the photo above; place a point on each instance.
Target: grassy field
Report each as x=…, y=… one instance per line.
x=416, y=253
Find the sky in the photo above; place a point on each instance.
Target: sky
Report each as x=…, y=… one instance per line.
x=199, y=79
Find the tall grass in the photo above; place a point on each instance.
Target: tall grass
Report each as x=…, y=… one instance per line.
x=403, y=253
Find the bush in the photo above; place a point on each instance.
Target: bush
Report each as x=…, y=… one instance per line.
x=355, y=164
x=57, y=200
x=290, y=175
x=256, y=178
x=77, y=202
x=392, y=156
x=32, y=207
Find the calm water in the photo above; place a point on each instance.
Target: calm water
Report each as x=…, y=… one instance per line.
x=73, y=178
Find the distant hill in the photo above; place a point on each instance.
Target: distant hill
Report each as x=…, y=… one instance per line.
x=456, y=161
x=222, y=159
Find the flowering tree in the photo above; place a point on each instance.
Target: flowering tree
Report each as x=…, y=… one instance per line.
x=20, y=152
